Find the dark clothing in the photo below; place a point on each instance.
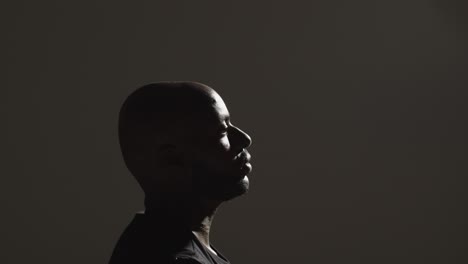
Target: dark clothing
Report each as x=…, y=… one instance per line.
x=152, y=240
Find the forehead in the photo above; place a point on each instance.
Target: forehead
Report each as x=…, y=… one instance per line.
x=220, y=111
x=212, y=115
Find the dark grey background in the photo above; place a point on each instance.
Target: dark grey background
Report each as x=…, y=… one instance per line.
x=357, y=110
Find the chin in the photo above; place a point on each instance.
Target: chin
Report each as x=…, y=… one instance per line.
x=240, y=188
x=228, y=191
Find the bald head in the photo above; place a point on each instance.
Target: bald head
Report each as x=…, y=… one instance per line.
x=161, y=104
x=152, y=116
x=178, y=136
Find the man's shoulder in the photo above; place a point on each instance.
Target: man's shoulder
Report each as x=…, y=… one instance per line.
x=143, y=241
x=187, y=261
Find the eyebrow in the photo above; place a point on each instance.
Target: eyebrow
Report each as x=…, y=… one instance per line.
x=224, y=121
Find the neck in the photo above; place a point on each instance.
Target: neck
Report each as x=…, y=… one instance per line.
x=202, y=219
x=197, y=214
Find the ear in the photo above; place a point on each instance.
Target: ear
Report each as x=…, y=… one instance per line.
x=170, y=155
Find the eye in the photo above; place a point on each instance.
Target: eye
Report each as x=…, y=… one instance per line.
x=223, y=131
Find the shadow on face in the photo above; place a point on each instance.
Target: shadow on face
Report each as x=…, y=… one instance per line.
x=177, y=139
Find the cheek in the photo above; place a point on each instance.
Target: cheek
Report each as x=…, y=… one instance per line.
x=214, y=155
x=224, y=142
x=215, y=162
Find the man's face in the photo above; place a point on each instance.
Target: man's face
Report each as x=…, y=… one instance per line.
x=220, y=161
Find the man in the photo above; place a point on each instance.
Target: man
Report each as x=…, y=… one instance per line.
x=179, y=143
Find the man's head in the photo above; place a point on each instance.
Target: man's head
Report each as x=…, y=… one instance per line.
x=177, y=140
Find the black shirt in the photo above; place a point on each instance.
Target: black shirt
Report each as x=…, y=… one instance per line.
x=155, y=240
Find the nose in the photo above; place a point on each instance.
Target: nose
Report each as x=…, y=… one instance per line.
x=242, y=139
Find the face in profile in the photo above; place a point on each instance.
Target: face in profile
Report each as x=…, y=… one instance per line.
x=177, y=139
x=220, y=162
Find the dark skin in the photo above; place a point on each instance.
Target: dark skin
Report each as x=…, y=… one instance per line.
x=201, y=162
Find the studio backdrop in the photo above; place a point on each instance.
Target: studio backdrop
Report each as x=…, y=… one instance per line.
x=357, y=112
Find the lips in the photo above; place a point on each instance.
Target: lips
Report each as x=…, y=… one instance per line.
x=243, y=162
x=246, y=168
x=242, y=158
